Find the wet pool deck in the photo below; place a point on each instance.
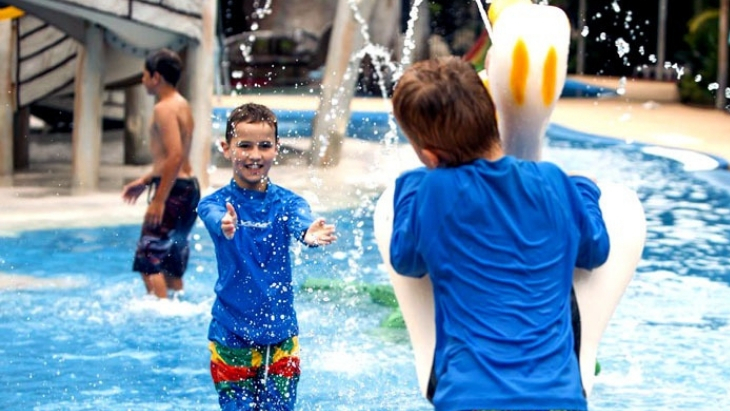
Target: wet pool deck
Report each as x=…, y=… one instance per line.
x=648, y=113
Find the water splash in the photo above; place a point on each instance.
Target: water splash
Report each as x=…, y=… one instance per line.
x=621, y=89
x=383, y=64
x=261, y=12
x=408, y=43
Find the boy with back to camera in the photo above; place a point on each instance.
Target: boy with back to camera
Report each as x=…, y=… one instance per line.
x=254, y=344
x=163, y=248
x=499, y=238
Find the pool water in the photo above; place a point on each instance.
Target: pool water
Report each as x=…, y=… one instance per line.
x=93, y=342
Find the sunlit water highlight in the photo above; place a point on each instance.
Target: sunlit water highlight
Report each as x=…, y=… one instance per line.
x=96, y=344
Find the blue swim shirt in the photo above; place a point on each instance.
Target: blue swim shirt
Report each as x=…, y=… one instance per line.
x=500, y=241
x=254, y=295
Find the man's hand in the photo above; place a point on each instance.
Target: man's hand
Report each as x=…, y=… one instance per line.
x=133, y=190
x=154, y=213
x=320, y=233
x=229, y=223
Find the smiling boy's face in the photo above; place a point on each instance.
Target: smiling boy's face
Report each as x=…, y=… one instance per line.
x=252, y=151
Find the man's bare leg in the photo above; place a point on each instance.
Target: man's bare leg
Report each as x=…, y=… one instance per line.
x=155, y=284
x=174, y=283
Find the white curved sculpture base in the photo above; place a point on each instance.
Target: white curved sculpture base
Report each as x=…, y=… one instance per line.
x=598, y=291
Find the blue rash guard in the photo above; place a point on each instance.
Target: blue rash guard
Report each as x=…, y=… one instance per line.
x=254, y=298
x=500, y=241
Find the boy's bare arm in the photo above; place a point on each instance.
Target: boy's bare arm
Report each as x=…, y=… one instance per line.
x=131, y=191
x=168, y=129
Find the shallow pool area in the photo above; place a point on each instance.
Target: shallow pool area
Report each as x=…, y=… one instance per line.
x=81, y=336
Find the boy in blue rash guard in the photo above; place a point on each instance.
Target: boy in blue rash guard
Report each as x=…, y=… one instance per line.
x=253, y=333
x=499, y=237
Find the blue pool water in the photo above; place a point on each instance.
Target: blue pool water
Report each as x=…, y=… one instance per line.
x=94, y=343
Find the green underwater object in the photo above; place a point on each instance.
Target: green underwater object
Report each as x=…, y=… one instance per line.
x=381, y=294
x=394, y=320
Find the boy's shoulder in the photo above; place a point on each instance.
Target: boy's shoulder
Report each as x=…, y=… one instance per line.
x=549, y=168
x=218, y=191
x=281, y=191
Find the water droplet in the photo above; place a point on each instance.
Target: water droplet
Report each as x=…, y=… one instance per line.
x=622, y=47
x=621, y=89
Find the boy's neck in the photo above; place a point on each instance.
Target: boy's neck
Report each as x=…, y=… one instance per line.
x=494, y=154
x=261, y=186
x=165, y=91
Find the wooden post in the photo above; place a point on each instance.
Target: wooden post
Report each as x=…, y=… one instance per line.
x=87, y=132
x=198, y=85
x=333, y=115
x=21, y=141
x=7, y=100
x=138, y=107
x=722, y=46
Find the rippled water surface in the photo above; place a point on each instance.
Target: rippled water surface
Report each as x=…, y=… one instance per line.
x=85, y=338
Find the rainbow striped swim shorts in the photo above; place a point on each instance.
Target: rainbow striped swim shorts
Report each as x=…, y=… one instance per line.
x=262, y=378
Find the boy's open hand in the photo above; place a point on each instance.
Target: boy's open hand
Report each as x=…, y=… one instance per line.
x=320, y=233
x=229, y=223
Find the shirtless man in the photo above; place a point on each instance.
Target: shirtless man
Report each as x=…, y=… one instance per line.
x=163, y=248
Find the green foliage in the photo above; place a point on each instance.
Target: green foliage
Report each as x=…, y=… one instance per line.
x=695, y=92
x=702, y=39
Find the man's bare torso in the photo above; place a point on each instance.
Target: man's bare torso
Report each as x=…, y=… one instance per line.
x=177, y=105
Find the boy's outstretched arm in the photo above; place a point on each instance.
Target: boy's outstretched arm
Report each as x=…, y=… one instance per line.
x=320, y=233
x=218, y=215
x=229, y=222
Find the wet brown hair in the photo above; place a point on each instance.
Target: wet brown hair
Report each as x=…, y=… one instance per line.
x=251, y=113
x=167, y=63
x=442, y=105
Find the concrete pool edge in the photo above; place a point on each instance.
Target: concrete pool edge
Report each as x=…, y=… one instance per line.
x=718, y=175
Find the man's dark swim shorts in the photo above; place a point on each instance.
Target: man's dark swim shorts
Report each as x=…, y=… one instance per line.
x=166, y=248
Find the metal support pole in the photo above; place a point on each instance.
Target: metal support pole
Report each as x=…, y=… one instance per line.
x=661, y=40
x=138, y=108
x=199, y=78
x=330, y=123
x=7, y=100
x=87, y=132
x=580, y=64
x=722, y=55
